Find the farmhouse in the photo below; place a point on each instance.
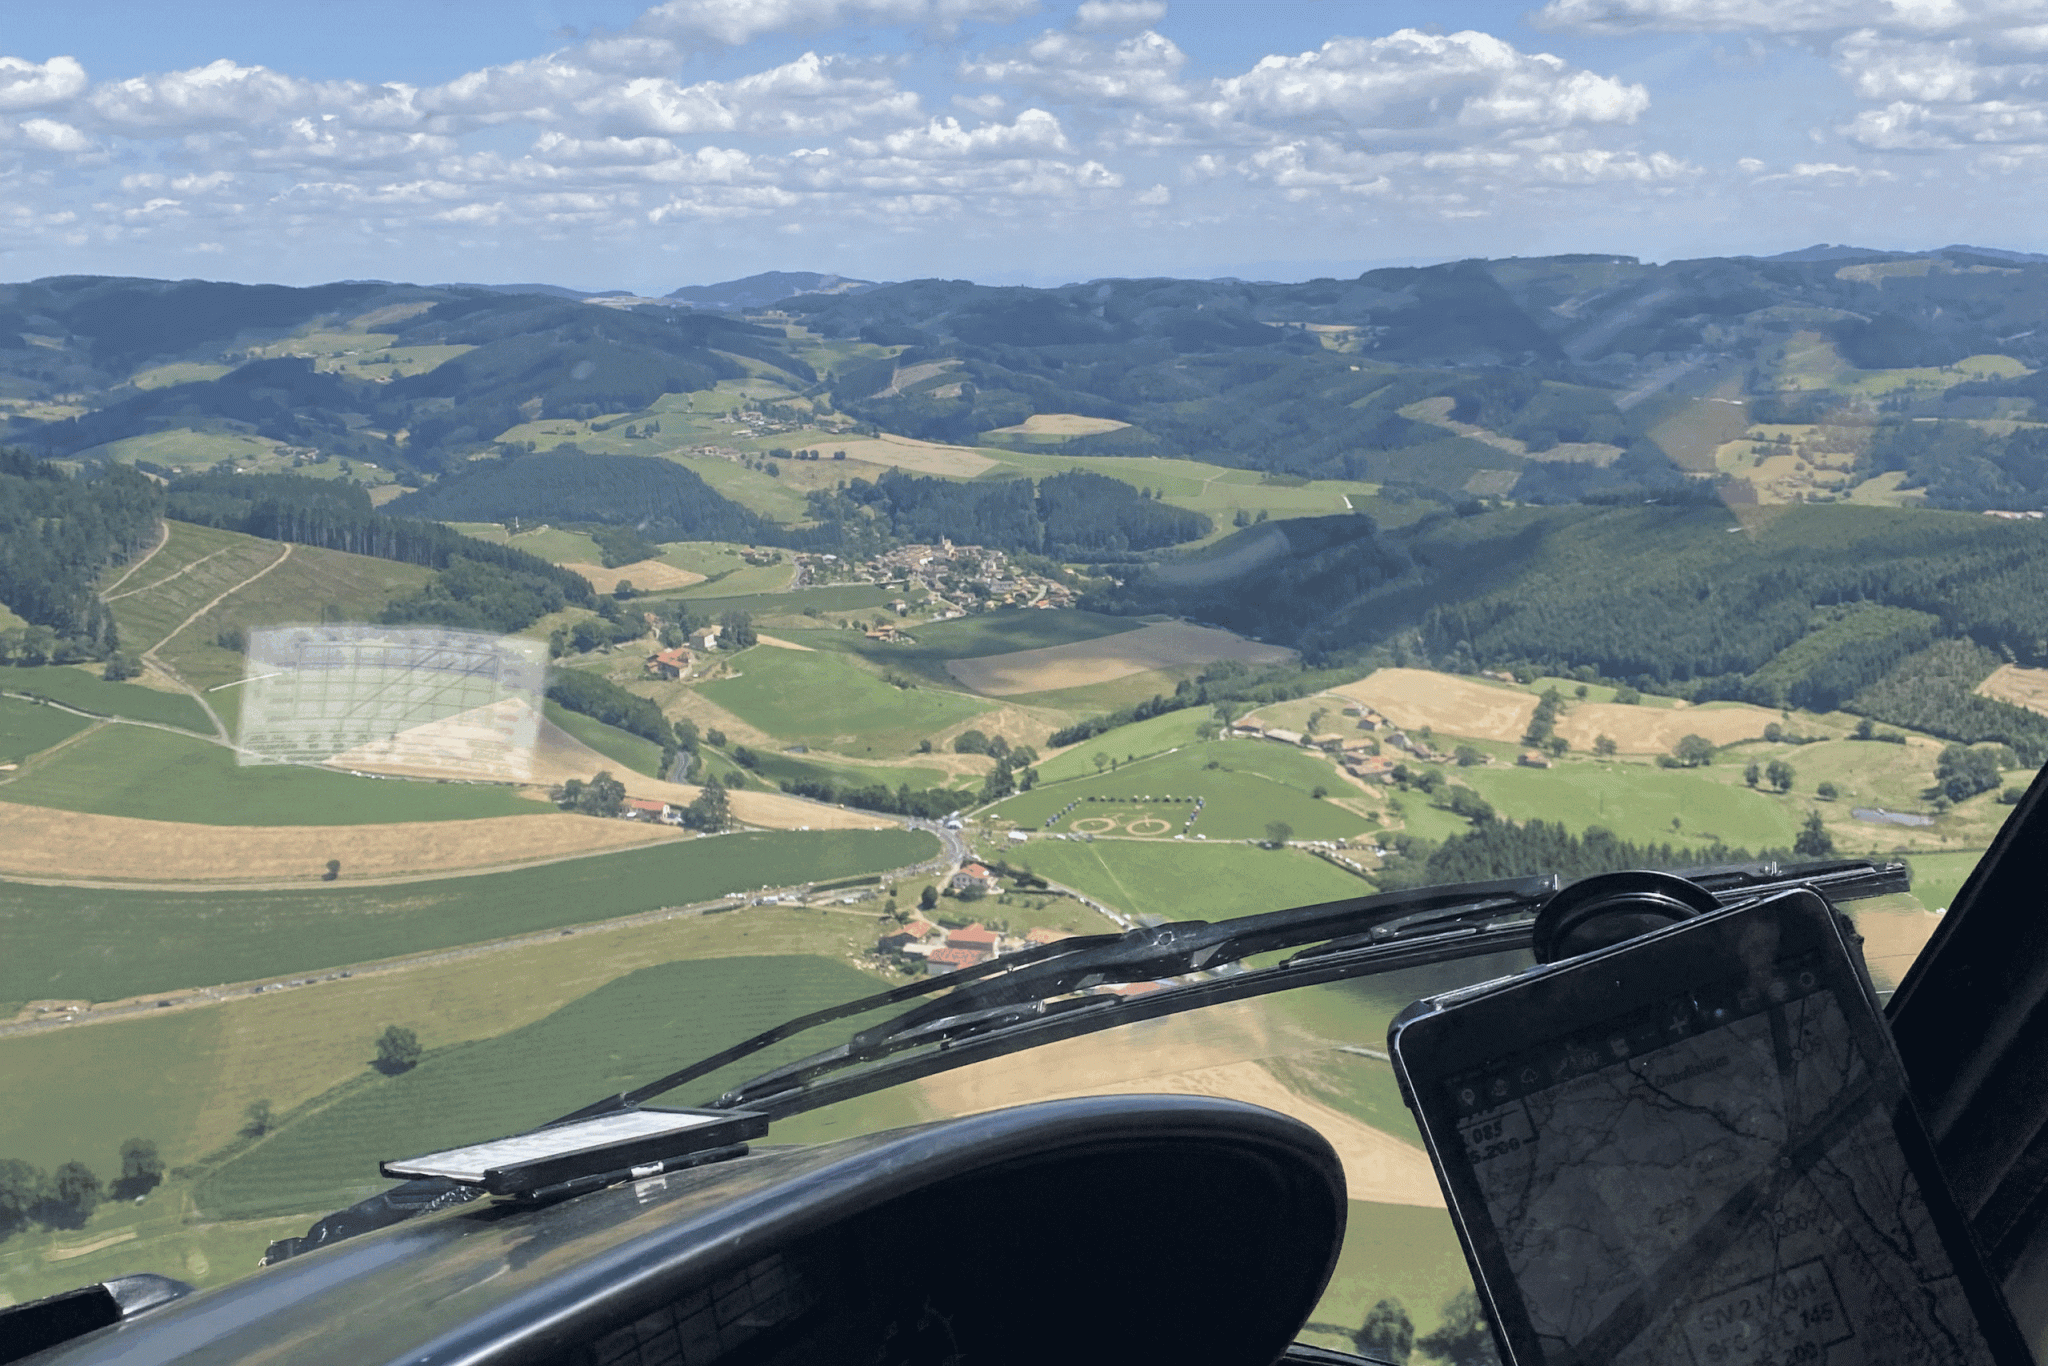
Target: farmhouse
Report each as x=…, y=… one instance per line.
x=974, y=878
x=908, y=937
x=647, y=809
x=976, y=938
x=704, y=639
x=670, y=664
x=950, y=959
x=1529, y=758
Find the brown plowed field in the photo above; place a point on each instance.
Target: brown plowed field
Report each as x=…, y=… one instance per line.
x=1103, y=660
x=44, y=843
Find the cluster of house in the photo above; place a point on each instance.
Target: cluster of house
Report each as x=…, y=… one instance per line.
x=940, y=569
x=674, y=662
x=946, y=950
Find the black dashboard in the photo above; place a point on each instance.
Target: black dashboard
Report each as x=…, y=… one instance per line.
x=1121, y=1228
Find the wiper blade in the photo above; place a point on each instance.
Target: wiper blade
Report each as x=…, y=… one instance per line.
x=1033, y=1004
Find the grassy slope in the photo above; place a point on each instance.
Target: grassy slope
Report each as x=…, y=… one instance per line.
x=106, y=945
x=614, y=1038
x=86, y=690
x=1186, y=881
x=1256, y=782
x=1142, y=738
x=157, y=775
x=27, y=728
x=991, y=633
x=828, y=701
x=635, y=752
x=196, y=565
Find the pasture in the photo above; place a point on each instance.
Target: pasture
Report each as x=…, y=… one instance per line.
x=725, y=571
x=1639, y=802
x=827, y=701
x=82, y=687
x=1140, y=739
x=1253, y=782
x=551, y=544
x=1185, y=880
x=29, y=728
x=1164, y=645
x=622, y=1034
x=162, y=776
x=1059, y=426
x=89, y=944
x=69, y=846
x=938, y=643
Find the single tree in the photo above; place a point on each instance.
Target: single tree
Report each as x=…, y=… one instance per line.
x=1827, y=792
x=1693, y=751
x=76, y=1191
x=1387, y=1334
x=928, y=899
x=1814, y=841
x=1603, y=745
x=1556, y=746
x=333, y=870
x=1627, y=696
x=1752, y=773
x=715, y=738
x=1101, y=761
x=1278, y=833
x=22, y=1189
x=258, y=1119
x=1780, y=774
x=1463, y=1338
x=121, y=665
x=398, y=1050
x=711, y=812
x=142, y=1170
x=1467, y=757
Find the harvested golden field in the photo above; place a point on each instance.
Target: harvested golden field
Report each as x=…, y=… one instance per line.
x=40, y=842
x=1063, y=424
x=925, y=457
x=1654, y=730
x=1214, y=1054
x=649, y=576
x=2022, y=687
x=1085, y=662
x=1414, y=698
x=779, y=643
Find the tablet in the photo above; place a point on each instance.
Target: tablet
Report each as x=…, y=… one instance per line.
x=1697, y=1147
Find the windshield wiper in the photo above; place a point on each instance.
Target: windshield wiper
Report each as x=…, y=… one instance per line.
x=1047, y=993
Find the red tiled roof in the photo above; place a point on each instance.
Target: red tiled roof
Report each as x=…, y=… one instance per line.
x=957, y=958
x=973, y=934
x=975, y=870
x=644, y=804
x=920, y=928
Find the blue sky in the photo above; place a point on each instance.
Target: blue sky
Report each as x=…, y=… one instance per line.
x=606, y=144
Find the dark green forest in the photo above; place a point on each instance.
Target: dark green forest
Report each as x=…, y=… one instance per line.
x=56, y=535
x=1073, y=516
x=658, y=498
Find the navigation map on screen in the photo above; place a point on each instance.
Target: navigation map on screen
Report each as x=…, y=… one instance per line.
x=1713, y=1180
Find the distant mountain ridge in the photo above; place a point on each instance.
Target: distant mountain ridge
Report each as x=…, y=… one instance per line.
x=769, y=287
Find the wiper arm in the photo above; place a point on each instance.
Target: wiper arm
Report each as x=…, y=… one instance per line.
x=1033, y=1003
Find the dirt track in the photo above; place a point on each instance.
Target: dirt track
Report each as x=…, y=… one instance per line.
x=1108, y=658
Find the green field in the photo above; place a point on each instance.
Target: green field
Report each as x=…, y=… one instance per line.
x=635, y=752
x=989, y=633
x=552, y=545
x=196, y=565
x=28, y=728
x=1155, y=736
x=726, y=573
x=1255, y=782
x=82, y=687
x=1639, y=802
x=830, y=602
x=81, y=943
x=777, y=767
x=1188, y=881
x=189, y=448
x=1938, y=877
x=1404, y=1252
x=622, y=1034
x=161, y=776
x=827, y=701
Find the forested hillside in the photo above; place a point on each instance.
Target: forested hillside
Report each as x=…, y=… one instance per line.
x=1894, y=613
x=1075, y=515
x=56, y=535
x=1554, y=379
x=660, y=499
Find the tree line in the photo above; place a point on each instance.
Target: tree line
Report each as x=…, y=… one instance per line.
x=65, y=1198
x=57, y=534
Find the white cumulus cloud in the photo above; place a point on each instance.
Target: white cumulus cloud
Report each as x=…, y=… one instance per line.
x=36, y=85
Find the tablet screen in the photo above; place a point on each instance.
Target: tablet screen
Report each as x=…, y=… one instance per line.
x=1713, y=1180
